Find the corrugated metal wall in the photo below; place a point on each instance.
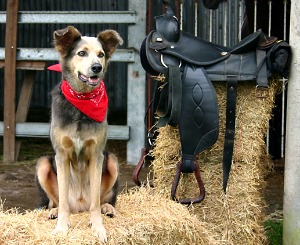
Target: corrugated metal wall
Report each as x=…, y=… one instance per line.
x=224, y=24
x=205, y=23
x=40, y=35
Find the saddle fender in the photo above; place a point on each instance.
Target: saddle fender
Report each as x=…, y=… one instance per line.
x=199, y=119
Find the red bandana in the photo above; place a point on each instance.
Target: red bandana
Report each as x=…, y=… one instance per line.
x=93, y=104
x=55, y=67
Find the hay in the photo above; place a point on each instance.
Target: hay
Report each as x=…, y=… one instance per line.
x=235, y=218
x=148, y=216
x=144, y=217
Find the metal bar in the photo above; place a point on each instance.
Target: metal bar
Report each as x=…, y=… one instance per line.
x=50, y=54
x=70, y=17
x=41, y=130
x=210, y=25
x=269, y=33
x=241, y=14
x=196, y=19
x=181, y=14
x=284, y=19
x=284, y=81
x=225, y=23
x=255, y=14
x=270, y=17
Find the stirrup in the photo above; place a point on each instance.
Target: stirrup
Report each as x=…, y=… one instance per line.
x=136, y=172
x=188, y=201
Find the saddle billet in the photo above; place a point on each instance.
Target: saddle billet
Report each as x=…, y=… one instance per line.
x=186, y=97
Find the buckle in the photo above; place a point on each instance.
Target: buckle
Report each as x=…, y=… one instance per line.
x=262, y=92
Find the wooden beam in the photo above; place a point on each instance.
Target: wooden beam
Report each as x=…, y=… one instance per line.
x=10, y=80
x=28, y=65
x=24, y=103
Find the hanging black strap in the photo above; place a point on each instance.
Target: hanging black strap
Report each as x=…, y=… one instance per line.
x=169, y=106
x=262, y=74
x=230, y=128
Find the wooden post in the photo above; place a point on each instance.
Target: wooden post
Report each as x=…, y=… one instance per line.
x=10, y=81
x=24, y=103
x=291, y=201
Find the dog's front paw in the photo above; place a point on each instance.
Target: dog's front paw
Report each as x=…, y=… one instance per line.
x=96, y=224
x=62, y=225
x=108, y=210
x=99, y=231
x=61, y=230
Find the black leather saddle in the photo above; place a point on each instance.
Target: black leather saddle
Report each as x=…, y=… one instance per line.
x=186, y=97
x=189, y=49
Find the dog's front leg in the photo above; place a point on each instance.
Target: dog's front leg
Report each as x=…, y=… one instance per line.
x=63, y=178
x=95, y=208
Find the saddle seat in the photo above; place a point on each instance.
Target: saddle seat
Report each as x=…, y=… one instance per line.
x=190, y=49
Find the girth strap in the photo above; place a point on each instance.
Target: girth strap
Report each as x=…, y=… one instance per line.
x=230, y=128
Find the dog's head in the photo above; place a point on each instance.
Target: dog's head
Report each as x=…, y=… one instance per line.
x=84, y=59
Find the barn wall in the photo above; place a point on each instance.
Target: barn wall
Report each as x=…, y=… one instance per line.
x=221, y=26
x=40, y=35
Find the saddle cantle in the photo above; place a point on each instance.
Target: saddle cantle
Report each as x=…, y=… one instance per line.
x=187, y=98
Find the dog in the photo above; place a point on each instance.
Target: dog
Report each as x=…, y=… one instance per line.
x=82, y=176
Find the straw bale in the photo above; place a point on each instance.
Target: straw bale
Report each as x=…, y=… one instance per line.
x=237, y=217
x=143, y=217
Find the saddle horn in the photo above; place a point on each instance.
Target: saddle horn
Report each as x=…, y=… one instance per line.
x=167, y=24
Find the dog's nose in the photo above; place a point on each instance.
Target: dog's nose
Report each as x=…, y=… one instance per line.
x=96, y=68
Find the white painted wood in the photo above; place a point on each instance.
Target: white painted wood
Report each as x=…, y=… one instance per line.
x=41, y=130
x=70, y=17
x=50, y=54
x=136, y=91
x=291, y=201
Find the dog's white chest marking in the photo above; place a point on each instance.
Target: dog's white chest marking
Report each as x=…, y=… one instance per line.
x=78, y=145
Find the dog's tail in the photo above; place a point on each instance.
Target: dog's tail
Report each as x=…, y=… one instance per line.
x=111, y=168
x=44, y=200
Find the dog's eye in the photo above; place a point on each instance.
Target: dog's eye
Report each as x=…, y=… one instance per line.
x=101, y=55
x=81, y=53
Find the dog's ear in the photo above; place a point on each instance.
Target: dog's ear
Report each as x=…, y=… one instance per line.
x=110, y=40
x=65, y=38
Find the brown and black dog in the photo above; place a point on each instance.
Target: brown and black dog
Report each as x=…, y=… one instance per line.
x=82, y=176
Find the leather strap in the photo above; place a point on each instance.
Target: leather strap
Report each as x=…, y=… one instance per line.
x=230, y=128
x=262, y=74
x=169, y=107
